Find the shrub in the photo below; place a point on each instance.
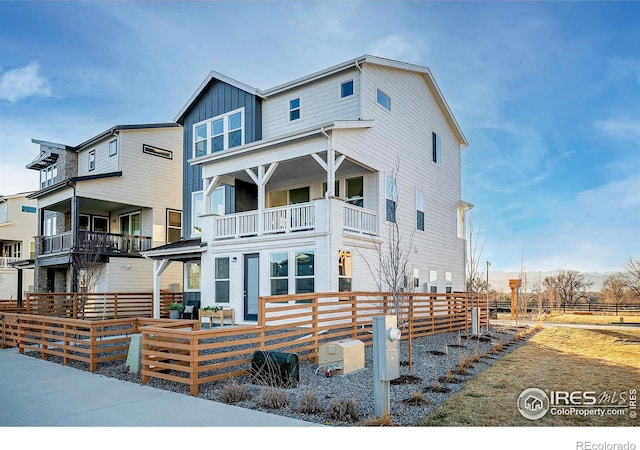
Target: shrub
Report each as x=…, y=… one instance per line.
x=234, y=393
x=343, y=410
x=272, y=398
x=309, y=403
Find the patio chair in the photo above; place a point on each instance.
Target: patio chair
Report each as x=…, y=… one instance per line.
x=190, y=310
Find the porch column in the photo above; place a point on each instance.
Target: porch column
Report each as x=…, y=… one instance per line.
x=214, y=183
x=261, y=179
x=159, y=266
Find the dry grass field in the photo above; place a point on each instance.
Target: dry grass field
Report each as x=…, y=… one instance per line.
x=555, y=359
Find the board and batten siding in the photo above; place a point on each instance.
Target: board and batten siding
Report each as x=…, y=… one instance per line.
x=320, y=103
x=404, y=135
x=218, y=98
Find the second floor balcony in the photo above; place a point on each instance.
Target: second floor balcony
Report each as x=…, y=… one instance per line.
x=94, y=242
x=309, y=216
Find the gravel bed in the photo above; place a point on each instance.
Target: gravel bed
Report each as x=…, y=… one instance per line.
x=347, y=400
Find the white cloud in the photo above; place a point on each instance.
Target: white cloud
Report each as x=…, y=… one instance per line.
x=23, y=82
x=396, y=46
x=622, y=129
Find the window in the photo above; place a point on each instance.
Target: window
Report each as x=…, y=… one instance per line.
x=391, y=198
x=222, y=280
x=84, y=222
x=355, y=190
x=346, y=89
x=416, y=277
x=28, y=209
x=336, y=189
x=174, y=225
x=113, y=147
x=3, y=212
x=419, y=210
x=101, y=224
x=192, y=276
x=304, y=273
x=130, y=224
x=436, y=148
x=217, y=202
x=344, y=271
x=433, y=281
x=197, y=208
x=383, y=100
x=157, y=151
x=218, y=133
x=299, y=195
x=92, y=160
x=294, y=109
x=13, y=250
x=448, y=283
x=50, y=223
x=49, y=176
x=279, y=272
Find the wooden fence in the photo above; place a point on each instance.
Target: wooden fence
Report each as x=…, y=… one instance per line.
x=97, y=306
x=180, y=351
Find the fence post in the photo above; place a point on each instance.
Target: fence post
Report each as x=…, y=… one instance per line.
x=28, y=300
x=314, y=319
x=115, y=305
x=74, y=310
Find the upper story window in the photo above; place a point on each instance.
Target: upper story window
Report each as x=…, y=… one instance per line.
x=346, y=89
x=436, y=148
x=3, y=212
x=419, y=210
x=294, y=109
x=92, y=160
x=383, y=99
x=49, y=176
x=391, y=198
x=113, y=147
x=174, y=225
x=355, y=191
x=218, y=133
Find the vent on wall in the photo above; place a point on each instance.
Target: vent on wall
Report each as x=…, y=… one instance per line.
x=156, y=151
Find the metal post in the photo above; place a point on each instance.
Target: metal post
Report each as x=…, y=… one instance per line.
x=488, y=264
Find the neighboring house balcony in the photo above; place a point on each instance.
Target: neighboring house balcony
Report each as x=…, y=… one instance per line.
x=290, y=219
x=108, y=244
x=5, y=262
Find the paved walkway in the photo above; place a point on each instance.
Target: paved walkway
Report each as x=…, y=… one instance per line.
x=36, y=393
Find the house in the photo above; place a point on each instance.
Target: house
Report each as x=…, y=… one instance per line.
x=17, y=245
x=292, y=189
x=104, y=201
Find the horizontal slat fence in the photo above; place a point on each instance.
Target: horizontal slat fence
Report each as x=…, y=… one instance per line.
x=98, y=306
x=180, y=351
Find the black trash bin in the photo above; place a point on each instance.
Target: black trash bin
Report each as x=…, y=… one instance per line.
x=275, y=369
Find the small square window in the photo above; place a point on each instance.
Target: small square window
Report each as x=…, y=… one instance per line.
x=294, y=109
x=113, y=148
x=383, y=100
x=346, y=89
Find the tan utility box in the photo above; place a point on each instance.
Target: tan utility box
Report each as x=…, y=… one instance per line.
x=348, y=354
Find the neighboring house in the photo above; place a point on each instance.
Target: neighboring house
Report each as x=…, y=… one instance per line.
x=104, y=201
x=17, y=245
x=288, y=190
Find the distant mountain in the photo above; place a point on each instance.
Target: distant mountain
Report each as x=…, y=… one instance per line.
x=500, y=280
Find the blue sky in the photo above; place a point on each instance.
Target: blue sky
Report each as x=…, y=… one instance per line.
x=547, y=93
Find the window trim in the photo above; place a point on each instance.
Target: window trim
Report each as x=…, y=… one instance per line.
x=343, y=257
x=385, y=95
x=436, y=148
x=285, y=277
x=393, y=198
x=354, y=200
x=130, y=213
x=420, y=209
x=353, y=89
x=448, y=282
x=297, y=277
x=192, y=232
x=297, y=109
x=172, y=227
x=92, y=160
x=217, y=280
x=50, y=175
x=208, y=123
x=186, y=272
x=433, y=282
x=113, y=152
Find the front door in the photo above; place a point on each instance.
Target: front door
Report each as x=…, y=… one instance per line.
x=251, y=270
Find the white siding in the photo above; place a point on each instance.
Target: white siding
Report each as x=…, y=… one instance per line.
x=104, y=162
x=136, y=275
x=320, y=102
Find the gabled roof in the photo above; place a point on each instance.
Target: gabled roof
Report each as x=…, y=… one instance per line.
x=117, y=128
x=356, y=62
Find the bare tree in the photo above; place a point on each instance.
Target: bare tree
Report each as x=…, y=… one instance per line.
x=476, y=279
x=631, y=277
x=567, y=287
x=614, y=289
x=87, y=259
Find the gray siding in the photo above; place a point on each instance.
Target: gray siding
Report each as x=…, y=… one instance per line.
x=217, y=99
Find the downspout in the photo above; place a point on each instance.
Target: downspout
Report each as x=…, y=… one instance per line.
x=361, y=104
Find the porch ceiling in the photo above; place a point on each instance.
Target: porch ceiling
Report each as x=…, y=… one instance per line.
x=305, y=167
x=87, y=204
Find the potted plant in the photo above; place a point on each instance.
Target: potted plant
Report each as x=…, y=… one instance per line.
x=174, y=310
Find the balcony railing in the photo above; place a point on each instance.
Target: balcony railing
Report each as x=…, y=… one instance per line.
x=6, y=261
x=90, y=241
x=287, y=219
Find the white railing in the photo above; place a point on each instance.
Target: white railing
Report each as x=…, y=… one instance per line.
x=360, y=220
x=5, y=261
x=237, y=225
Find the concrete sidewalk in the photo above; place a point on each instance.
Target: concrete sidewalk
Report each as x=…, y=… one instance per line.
x=35, y=393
